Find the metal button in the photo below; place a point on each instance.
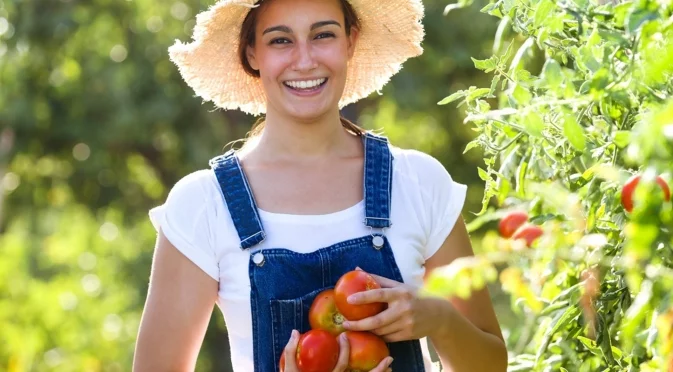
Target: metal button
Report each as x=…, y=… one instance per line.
x=258, y=259
x=378, y=242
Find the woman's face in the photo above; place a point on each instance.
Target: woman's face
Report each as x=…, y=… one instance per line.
x=301, y=52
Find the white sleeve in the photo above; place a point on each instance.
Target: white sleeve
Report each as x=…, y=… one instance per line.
x=444, y=201
x=185, y=221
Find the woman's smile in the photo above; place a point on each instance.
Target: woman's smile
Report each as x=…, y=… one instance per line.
x=306, y=88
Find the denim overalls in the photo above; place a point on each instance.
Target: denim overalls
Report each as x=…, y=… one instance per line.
x=284, y=283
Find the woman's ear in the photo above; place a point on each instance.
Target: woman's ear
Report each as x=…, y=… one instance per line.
x=250, y=54
x=352, y=41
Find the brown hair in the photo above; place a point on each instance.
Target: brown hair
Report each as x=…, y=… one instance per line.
x=247, y=38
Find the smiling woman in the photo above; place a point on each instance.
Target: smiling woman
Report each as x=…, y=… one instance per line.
x=269, y=226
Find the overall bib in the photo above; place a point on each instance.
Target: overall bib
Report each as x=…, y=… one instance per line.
x=284, y=283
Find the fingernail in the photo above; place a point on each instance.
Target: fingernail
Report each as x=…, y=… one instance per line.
x=294, y=333
x=345, y=324
x=390, y=361
x=342, y=336
x=351, y=299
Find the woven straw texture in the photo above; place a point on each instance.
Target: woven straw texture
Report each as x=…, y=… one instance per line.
x=391, y=32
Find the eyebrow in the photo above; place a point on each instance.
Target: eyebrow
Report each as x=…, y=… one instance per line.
x=289, y=31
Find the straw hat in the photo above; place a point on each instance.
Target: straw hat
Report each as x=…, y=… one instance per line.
x=391, y=32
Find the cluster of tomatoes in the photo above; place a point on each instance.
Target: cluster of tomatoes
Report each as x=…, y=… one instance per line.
x=515, y=225
x=318, y=349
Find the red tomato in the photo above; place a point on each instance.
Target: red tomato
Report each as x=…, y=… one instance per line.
x=512, y=221
x=324, y=314
x=353, y=282
x=367, y=350
x=317, y=351
x=529, y=233
x=630, y=186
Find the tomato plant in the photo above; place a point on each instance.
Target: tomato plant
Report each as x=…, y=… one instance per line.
x=324, y=314
x=317, y=351
x=581, y=99
x=630, y=187
x=353, y=282
x=511, y=222
x=367, y=350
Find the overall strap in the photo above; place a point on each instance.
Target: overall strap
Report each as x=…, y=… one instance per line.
x=378, y=177
x=238, y=198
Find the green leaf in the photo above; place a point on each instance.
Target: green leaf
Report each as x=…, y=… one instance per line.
x=492, y=9
x=472, y=144
x=542, y=12
x=487, y=65
x=555, y=23
x=559, y=321
x=638, y=18
x=494, y=84
x=522, y=95
x=621, y=11
x=614, y=37
x=523, y=77
x=453, y=97
x=587, y=58
x=478, y=93
x=533, y=124
x=622, y=138
x=590, y=344
x=574, y=132
x=483, y=174
x=551, y=73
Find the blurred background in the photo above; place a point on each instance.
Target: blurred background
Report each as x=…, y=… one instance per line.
x=96, y=126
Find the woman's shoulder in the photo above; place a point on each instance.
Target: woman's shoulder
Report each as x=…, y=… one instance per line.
x=195, y=190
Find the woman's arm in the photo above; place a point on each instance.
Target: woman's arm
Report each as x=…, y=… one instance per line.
x=179, y=304
x=469, y=338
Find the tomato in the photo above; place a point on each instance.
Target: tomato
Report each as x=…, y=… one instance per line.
x=512, y=221
x=324, y=314
x=528, y=232
x=367, y=350
x=317, y=351
x=353, y=282
x=630, y=186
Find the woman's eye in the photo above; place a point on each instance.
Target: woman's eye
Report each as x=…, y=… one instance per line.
x=324, y=35
x=280, y=40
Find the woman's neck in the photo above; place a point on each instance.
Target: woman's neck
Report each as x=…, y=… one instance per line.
x=286, y=138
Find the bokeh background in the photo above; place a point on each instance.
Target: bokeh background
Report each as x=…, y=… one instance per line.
x=96, y=126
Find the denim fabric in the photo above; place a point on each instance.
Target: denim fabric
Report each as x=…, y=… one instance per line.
x=284, y=283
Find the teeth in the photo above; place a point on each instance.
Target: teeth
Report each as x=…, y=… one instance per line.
x=306, y=84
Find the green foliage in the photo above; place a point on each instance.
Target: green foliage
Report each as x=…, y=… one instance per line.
x=585, y=102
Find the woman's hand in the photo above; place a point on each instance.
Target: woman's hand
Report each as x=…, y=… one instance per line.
x=407, y=317
x=290, y=353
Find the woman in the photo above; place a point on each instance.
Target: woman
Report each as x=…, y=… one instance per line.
x=309, y=197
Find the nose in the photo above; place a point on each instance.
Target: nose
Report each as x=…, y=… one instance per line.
x=304, y=60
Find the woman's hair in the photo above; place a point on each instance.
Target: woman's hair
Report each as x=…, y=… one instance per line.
x=247, y=38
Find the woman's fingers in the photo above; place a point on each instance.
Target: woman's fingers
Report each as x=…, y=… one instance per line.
x=385, y=282
x=379, y=320
x=388, y=329
x=344, y=353
x=384, y=366
x=291, y=352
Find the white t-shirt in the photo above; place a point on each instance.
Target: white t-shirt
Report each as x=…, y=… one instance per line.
x=426, y=203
